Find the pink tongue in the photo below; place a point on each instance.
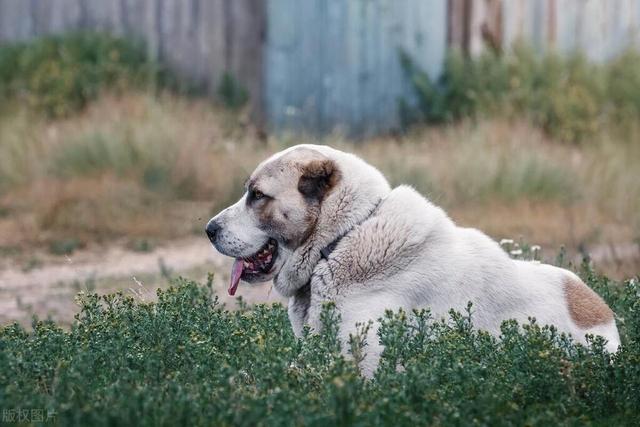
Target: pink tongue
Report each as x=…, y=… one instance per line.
x=236, y=272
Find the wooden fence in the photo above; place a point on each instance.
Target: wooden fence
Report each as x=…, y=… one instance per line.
x=599, y=28
x=322, y=65
x=334, y=64
x=198, y=39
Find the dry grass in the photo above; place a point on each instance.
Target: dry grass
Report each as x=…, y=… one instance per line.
x=138, y=166
x=131, y=166
x=495, y=174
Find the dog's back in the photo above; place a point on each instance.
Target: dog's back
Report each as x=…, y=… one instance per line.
x=502, y=288
x=429, y=262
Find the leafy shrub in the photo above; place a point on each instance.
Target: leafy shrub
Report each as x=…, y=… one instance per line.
x=60, y=74
x=623, y=86
x=231, y=92
x=567, y=96
x=187, y=360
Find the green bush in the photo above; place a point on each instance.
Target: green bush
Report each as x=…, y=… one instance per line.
x=623, y=86
x=567, y=96
x=60, y=74
x=185, y=360
x=231, y=92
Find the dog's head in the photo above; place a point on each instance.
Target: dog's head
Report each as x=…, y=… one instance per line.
x=276, y=214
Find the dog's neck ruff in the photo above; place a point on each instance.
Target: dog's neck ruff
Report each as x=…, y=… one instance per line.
x=326, y=251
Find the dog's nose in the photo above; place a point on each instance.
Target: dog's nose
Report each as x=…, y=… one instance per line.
x=211, y=229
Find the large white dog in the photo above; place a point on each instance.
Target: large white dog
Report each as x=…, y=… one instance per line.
x=326, y=226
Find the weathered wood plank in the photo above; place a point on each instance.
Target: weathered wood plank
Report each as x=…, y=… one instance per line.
x=334, y=65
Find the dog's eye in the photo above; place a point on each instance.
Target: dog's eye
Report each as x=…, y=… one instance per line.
x=257, y=194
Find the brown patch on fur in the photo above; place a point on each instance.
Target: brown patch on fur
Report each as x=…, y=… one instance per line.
x=318, y=178
x=586, y=307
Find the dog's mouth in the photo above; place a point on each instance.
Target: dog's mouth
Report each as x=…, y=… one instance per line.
x=254, y=267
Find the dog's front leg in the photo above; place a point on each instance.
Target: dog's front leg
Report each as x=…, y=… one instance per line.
x=306, y=304
x=322, y=291
x=298, y=309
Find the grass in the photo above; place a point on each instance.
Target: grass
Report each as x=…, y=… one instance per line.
x=64, y=247
x=101, y=173
x=139, y=166
x=187, y=360
x=567, y=96
x=505, y=171
x=484, y=162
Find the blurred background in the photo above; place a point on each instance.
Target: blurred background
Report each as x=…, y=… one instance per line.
x=125, y=125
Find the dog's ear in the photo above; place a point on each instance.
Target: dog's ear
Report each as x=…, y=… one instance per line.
x=318, y=178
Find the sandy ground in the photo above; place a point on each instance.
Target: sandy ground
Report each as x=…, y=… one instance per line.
x=49, y=290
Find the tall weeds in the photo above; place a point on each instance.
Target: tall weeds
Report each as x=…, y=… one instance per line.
x=569, y=97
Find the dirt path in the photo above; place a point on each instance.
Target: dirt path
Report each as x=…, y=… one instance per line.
x=49, y=290
x=114, y=262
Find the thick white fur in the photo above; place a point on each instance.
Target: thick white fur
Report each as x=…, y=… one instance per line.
x=409, y=254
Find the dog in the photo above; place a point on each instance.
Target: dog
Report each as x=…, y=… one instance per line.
x=327, y=227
